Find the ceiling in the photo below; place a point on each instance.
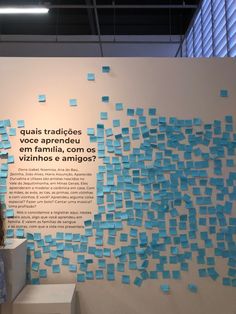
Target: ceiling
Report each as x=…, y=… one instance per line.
x=102, y=17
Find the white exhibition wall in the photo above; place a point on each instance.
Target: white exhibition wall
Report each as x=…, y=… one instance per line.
x=148, y=147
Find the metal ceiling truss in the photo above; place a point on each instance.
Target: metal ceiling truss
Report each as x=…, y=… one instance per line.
x=120, y=6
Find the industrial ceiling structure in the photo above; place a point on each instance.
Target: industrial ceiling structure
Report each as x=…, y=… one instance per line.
x=101, y=17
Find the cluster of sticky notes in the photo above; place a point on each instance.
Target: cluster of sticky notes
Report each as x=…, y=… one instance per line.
x=6, y=132
x=152, y=170
x=165, y=198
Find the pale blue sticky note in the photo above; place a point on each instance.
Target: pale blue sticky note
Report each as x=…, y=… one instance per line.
x=90, y=131
x=48, y=238
x=73, y=268
x=116, y=123
x=41, y=98
x=20, y=233
x=105, y=98
x=91, y=77
x=10, y=233
x=165, y=288
x=119, y=106
x=106, y=69
x=12, y=131
x=20, y=123
x=9, y=213
x=192, y=287
x=6, y=144
x=3, y=189
x=103, y=115
x=68, y=236
x=224, y=93
x=59, y=235
x=73, y=102
x=10, y=159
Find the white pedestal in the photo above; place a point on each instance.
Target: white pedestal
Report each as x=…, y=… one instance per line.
x=46, y=299
x=14, y=257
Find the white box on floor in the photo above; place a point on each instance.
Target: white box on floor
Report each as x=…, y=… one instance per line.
x=14, y=257
x=46, y=299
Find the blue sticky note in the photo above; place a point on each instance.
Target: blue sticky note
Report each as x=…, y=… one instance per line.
x=165, y=288
x=99, y=274
x=35, y=266
x=105, y=69
x=125, y=279
x=152, y=111
x=10, y=233
x=119, y=106
x=20, y=123
x=9, y=213
x=130, y=112
x=138, y=281
x=103, y=115
x=105, y=98
x=43, y=273
x=80, y=277
x=192, y=287
x=73, y=102
x=56, y=269
x=12, y=131
x=91, y=77
x=90, y=131
x=224, y=93
x=116, y=123
x=20, y=233
x=73, y=268
x=41, y=98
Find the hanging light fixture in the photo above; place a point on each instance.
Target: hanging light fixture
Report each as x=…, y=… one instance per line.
x=24, y=10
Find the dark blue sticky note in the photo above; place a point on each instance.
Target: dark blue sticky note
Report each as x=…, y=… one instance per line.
x=105, y=98
x=126, y=279
x=106, y=69
x=138, y=282
x=192, y=287
x=224, y=93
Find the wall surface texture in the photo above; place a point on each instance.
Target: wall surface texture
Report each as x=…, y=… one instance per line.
x=124, y=169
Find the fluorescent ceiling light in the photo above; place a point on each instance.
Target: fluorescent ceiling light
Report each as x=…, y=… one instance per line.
x=23, y=10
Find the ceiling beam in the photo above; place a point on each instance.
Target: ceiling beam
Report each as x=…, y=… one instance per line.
x=91, y=18
x=98, y=27
x=121, y=6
